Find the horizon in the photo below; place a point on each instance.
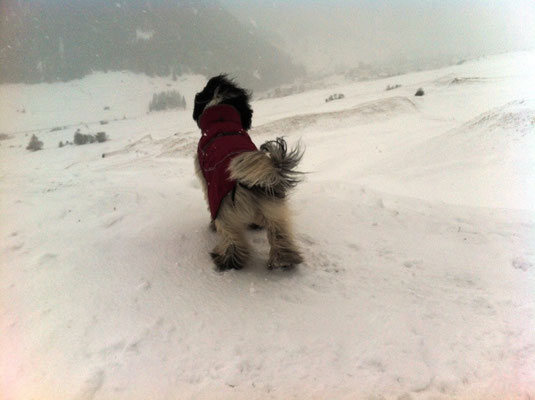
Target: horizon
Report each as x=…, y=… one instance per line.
x=326, y=35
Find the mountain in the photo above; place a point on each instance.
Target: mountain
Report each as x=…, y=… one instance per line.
x=61, y=40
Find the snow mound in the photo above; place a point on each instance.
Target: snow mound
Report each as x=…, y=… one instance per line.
x=454, y=79
x=513, y=120
x=487, y=160
x=178, y=145
x=364, y=113
x=468, y=80
x=501, y=133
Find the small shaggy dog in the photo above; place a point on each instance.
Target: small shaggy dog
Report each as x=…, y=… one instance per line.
x=244, y=187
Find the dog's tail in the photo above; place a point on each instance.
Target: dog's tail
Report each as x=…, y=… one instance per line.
x=272, y=170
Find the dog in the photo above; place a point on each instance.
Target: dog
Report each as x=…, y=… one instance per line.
x=244, y=187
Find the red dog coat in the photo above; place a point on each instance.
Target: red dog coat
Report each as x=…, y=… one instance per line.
x=223, y=138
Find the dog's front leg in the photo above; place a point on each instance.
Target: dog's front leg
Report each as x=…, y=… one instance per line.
x=204, y=187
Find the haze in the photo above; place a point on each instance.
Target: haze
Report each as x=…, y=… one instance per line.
x=265, y=44
x=324, y=35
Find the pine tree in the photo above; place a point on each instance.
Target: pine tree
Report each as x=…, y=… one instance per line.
x=35, y=144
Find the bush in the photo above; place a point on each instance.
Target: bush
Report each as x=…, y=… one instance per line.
x=167, y=100
x=61, y=144
x=35, y=144
x=392, y=87
x=419, y=92
x=101, y=137
x=80, y=138
x=336, y=96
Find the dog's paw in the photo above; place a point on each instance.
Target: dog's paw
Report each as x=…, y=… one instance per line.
x=285, y=261
x=225, y=262
x=281, y=267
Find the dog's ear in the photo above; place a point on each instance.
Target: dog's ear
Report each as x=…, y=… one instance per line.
x=241, y=103
x=205, y=96
x=198, y=107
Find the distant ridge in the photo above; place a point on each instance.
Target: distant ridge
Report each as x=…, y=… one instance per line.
x=61, y=40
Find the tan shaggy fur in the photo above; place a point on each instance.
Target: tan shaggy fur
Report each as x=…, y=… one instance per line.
x=247, y=207
x=254, y=168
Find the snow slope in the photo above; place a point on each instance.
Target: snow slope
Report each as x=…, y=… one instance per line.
x=416, y=220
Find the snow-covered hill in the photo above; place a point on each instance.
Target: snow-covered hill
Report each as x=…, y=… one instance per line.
x=416, y=220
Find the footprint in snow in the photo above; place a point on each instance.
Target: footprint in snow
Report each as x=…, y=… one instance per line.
x=385, y=253
x=353, y=247
x=522, y=264
x=46, y=258
x=91, y=386
x=412, y=263
x=306, y=239
x=329, y=264
x=113, y=221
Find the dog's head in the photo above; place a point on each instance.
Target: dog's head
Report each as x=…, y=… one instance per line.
x=222, y=90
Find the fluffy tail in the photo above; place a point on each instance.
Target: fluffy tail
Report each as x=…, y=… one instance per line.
x=271, y=170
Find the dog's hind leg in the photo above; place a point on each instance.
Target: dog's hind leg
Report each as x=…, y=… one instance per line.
x=232, y=251
x=284, y=253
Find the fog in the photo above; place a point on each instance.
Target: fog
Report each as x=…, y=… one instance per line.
x=265, y=44
x=324, y=35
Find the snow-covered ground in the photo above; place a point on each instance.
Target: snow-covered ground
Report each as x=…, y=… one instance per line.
x=417, y=221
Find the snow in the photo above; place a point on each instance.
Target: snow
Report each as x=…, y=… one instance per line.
x=144, y=35
x=416, y=220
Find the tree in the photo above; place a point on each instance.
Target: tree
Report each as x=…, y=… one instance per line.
x=80, y=138
x=101, y=137
x=167, y=100
x=35, y=144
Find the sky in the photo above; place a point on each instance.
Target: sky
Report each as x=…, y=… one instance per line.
x=326, y=34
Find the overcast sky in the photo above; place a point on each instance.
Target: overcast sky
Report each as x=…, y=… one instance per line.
x=324, y=34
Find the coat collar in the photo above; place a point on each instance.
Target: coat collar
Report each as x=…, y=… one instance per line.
x=221, y=116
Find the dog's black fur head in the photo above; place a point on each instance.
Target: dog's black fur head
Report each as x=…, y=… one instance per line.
x=222, y=90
